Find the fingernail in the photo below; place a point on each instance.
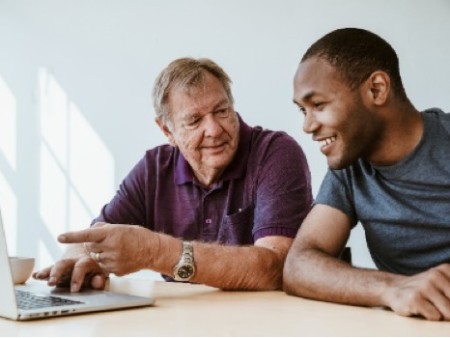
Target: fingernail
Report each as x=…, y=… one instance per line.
x=52, y=280
x=61, y=238
x=74, y=287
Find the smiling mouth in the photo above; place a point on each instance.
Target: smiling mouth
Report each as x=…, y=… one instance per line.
x=215, y=148
x=327, y=141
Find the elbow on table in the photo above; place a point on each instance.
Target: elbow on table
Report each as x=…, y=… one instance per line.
x=292, y=281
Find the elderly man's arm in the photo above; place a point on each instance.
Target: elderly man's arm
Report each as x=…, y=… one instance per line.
x=312, y=270
x=257, y=267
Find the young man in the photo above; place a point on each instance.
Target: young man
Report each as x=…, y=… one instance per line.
x=220, y=205
x=389, y=168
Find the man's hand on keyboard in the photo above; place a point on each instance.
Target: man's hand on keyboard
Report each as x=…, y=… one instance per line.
x=76, y=271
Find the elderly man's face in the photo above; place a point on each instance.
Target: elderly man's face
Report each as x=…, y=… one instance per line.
x=204, y=126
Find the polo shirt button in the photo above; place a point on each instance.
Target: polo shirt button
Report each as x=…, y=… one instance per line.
x=208, y=221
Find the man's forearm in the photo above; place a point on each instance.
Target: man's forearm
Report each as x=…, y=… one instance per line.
x=239, y=267
x=225, y=267
x=313, y=274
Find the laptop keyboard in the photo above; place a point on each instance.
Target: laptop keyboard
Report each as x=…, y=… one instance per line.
x=28, y=300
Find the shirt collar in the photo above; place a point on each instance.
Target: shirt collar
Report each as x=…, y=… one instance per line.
x=236, y=169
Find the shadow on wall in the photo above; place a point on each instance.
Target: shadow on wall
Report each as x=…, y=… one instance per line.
x=67, y=168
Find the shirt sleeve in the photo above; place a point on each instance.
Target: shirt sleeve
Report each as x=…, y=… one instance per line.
x=283, y=193
x=335, y=192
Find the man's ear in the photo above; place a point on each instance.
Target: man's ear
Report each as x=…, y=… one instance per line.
x=377, y=88
x=166, y=130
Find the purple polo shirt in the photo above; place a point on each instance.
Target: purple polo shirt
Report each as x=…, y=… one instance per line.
x=265, y=191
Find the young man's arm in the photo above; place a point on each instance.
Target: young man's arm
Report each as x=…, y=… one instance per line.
x=312, y=270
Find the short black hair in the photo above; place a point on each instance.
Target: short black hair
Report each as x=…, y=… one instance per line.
x=356, y=53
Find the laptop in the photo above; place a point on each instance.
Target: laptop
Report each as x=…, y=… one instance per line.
x=37, y=300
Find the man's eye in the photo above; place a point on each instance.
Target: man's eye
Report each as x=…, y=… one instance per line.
x=302, y=110
x=319, y=105
x=223, y=112
x=192, y=123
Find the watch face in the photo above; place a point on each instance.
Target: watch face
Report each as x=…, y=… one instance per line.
x=185, y=271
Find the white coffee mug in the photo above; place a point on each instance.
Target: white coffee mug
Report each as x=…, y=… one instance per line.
x=21, y=268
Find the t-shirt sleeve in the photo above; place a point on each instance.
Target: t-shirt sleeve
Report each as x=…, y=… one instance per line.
x=283, y=192
x=128, y=204
x=335, y=192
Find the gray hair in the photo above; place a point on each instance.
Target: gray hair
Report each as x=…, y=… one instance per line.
x=187, y=73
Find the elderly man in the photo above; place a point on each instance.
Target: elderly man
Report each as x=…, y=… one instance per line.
x=220, y=205
x=389, y=169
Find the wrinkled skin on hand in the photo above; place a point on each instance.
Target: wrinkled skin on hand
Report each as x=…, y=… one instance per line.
x=76, y=273
x=122, y=249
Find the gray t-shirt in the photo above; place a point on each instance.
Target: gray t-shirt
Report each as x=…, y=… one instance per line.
x=404, y=208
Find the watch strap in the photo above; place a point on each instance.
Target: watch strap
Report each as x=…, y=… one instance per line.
x=184, y=270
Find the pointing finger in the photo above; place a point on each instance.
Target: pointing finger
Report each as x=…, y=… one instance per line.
x=97, y=234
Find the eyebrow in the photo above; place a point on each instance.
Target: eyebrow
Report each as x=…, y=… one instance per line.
x=306, y=97
x=220, y=103
x=195, y=114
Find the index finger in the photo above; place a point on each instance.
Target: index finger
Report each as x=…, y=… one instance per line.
x=87, y=235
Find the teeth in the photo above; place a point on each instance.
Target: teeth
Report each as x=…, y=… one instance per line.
x=327, y=141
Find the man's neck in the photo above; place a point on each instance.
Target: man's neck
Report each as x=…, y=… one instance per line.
x=209, y=177
x=403, y=132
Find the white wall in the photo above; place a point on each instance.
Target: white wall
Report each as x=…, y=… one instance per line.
x=76, y=77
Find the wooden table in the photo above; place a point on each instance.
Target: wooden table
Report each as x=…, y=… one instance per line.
x=198, y=310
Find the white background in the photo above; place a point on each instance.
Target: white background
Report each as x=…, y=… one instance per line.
x=76, y=78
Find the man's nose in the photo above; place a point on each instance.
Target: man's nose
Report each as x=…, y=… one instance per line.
x=212, y=127
x=310, y=123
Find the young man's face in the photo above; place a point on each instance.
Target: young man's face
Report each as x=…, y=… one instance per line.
x=334, y=113
x=204, y=125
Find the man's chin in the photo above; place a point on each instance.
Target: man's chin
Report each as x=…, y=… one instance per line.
x=219, y=163
x=339, y=164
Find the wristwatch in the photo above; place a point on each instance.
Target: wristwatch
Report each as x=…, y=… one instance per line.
x=185, y=268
